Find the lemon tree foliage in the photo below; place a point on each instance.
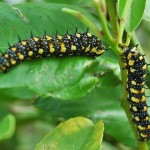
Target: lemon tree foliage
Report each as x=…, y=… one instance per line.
x=75, y=102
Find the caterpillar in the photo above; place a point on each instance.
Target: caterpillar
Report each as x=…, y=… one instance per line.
x=136, y=69
x=38, y=47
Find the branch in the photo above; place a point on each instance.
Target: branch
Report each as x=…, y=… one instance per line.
x=112, y=11
x=123, y=20
x=103, y=21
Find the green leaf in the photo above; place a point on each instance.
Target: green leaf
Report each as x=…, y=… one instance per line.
x=108, y=71
x=121, y=6
x=101, y=104
x=7, y=127
x=77, y=133
x=63, y=78
x=14, y=93
x=146, y=12
x=118, y=128
x=109, y=146
x=63, y=1
x=57, y=78
x=134, y=13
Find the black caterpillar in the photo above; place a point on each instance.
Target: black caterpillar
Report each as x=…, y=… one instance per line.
x=136, y=68
x=45, y=46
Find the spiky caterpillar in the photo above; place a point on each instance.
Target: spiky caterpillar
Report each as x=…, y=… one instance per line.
x=136, y=69
x=45, y=46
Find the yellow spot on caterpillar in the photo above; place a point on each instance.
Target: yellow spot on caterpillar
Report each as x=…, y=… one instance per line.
x=145, y=108
x=21, y=57
x=134, y=99
x=89, y=34
x=143, y=135
x=141, y=58
x=14, y=49
x=131, y=62
x=13, y=62
x=40, y=51
x=68, y=37
x=132, y=70
x=148, y=127
x=140, y=127
x=24, y=43
x=6, y=56
x=52, y=50
x=100, y=52
x=7, y=64
x=73, y=47
x=134, y=91
x=144, y=67
x=3, y=68
x=143, y=90
x=87, y=49
x=78, y=35
x=134, y=108
x=137, y=118
x=30, y=53
x=133, y=82
x=63, y=48
x=48, y=38
x=142, y=83
x=129, y=56
x=143, y=99
x=144, y=75
x=36, y=39
x=59, y=37
x=93, y=50
x=147, y=118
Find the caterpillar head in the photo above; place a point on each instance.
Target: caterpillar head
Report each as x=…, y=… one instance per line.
x=100, y=49
x=130, y=52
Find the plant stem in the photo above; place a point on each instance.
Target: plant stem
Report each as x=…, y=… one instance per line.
x=128, y=38
x=112, y=11
x=83, y=19
x=108, y=37
x=123, y=20
x=103, y=21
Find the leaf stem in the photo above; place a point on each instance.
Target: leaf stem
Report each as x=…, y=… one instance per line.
x=128, y=38
x=112, y=11
x=83, y=19
x=107, y=35
x=103, y=21
x=123, y=20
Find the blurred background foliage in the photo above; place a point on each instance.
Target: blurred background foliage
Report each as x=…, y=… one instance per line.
x=28, y=118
